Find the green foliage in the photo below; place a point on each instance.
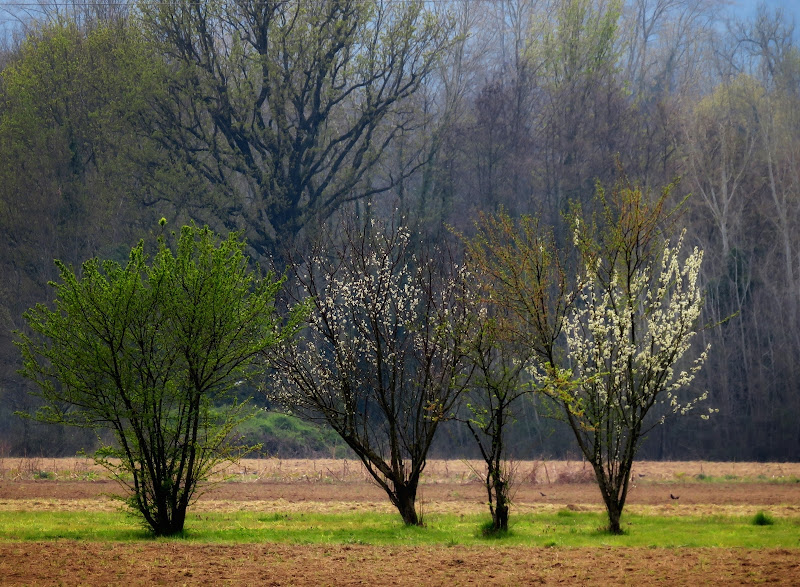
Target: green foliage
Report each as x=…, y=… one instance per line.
x=288, y=436
x=149, y=351
x=580, y=40
x=78, y=177
x=71, y=105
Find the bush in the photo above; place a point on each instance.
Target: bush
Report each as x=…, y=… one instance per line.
x=763, y=519
x=145, y=350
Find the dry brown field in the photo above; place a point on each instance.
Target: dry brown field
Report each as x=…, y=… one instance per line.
x=448, y=486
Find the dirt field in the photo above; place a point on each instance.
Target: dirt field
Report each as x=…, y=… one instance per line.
x=272, y=485
x=70, y=563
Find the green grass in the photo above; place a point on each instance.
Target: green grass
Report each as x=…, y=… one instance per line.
x=727, y=478
x=562, y=529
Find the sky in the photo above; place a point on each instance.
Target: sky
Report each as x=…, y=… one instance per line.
x=747, y=8
x=737, y=8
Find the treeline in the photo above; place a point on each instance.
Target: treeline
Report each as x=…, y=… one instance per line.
x=273, y=117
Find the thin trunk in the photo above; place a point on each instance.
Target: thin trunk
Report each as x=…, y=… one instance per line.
x=500, y=511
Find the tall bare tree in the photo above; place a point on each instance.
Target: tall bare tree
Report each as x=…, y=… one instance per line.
x=287, y=108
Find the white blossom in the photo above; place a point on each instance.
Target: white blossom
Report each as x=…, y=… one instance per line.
x=624, y=341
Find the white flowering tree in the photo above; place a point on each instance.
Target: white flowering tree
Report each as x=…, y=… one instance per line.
x=631, y=327
x=381, y=359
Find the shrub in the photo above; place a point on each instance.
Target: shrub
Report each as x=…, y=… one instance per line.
x=763, y=519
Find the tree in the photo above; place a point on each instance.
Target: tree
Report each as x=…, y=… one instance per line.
x=73, y=96
x=381, y=359
x=581, y=119
x=499, y=380
x=71, y=103
x=287, y=107
x=523, y=290
x=524, y=269
x=152, y=353
x=634, y=318
x=720, y=140
x=660, y=41
x=607, y=347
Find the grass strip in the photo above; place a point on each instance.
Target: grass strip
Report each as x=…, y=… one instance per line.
x=562, y=529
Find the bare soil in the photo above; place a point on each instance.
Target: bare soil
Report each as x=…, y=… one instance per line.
x=71, y=563
x=740, y=488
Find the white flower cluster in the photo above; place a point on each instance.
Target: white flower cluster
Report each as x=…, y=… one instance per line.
x=627, y=333
x=381, y=325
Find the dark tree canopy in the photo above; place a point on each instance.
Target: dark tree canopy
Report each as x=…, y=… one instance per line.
x=287, y=108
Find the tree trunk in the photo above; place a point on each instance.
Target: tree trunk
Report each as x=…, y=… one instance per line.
x=614, y=515
x=169, y=518
x=500, y=513
x=174, y=526
x=405, y=496
x=613, y=502
x=497, y=490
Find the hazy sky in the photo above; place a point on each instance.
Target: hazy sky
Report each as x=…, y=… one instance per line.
x=737, y=8
x=748, y=7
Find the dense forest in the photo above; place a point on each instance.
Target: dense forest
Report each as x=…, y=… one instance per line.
x=273, y=117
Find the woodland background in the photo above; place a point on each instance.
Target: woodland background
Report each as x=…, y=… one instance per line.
x=110, y=120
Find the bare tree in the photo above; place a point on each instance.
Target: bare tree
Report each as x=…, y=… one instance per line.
x=720, y=137
x=288, y=107
x=663, y=38
x=522, y=297
x=499, y=380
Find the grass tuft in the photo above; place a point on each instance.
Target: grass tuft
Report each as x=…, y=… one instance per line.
x=487, y=530
x=763, y=519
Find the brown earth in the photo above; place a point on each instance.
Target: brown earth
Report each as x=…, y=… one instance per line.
x=95, y=563
x=449, y=487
